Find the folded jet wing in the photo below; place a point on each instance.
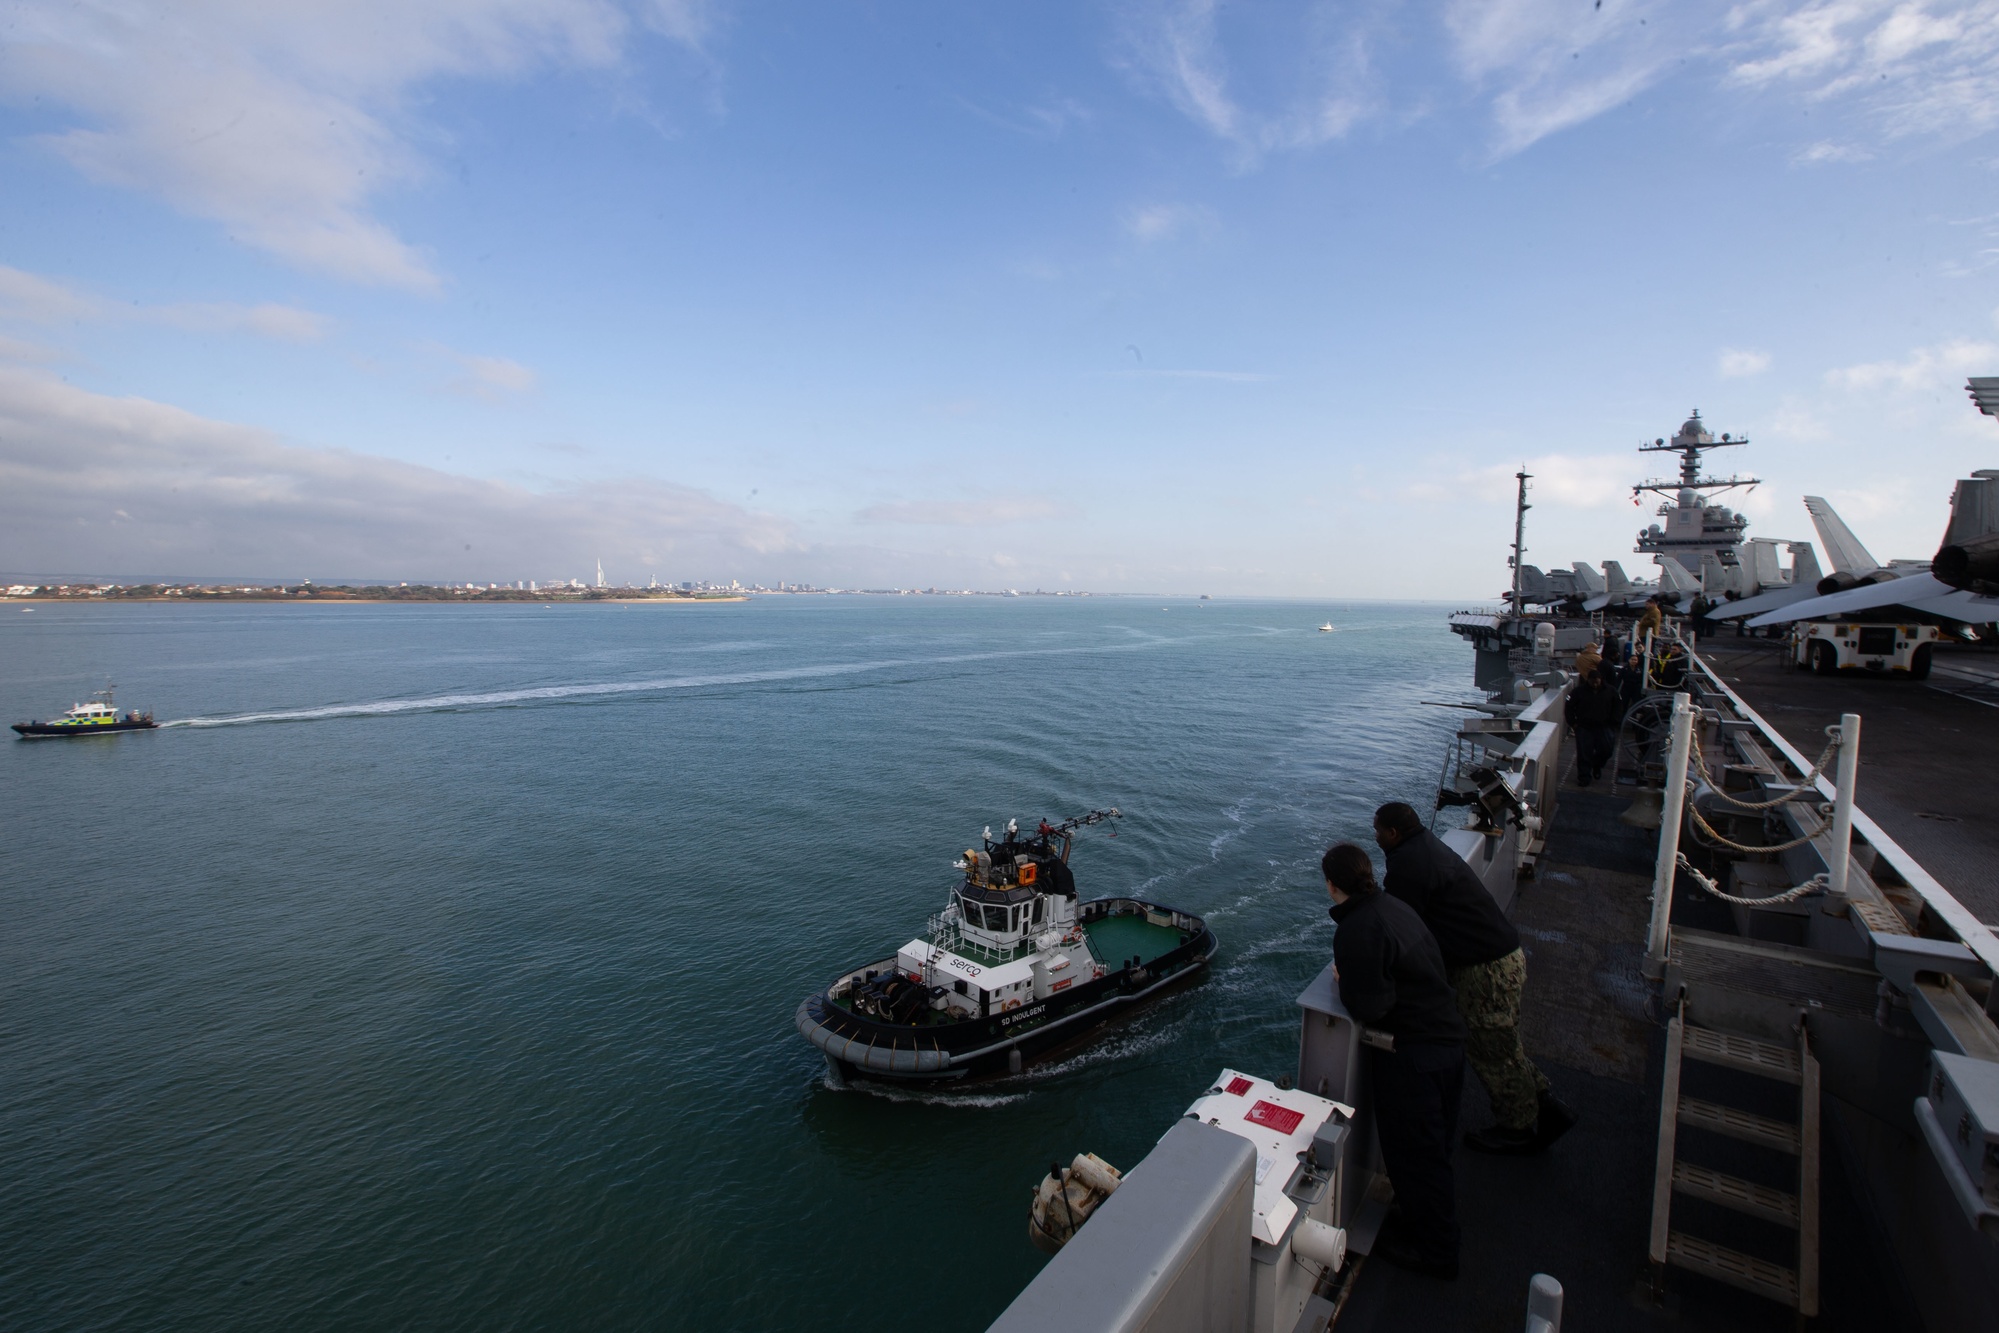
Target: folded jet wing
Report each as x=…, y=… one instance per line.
x=1923, y=593
x=1772, y=600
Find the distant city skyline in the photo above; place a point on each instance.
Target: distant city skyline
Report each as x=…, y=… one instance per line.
x=1246, y=300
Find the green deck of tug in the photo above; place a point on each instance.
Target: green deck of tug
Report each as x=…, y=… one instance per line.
x=1115, y=939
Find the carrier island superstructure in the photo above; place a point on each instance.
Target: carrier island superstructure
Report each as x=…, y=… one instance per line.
x=1776, y=1019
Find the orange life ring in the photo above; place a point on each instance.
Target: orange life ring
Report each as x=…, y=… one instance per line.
x=1011, y=1004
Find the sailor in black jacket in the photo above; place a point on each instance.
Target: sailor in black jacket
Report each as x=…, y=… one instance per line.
x=1488, y=972
x=1391, y=979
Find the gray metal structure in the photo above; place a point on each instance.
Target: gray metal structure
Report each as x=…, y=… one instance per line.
x=1168, y=1253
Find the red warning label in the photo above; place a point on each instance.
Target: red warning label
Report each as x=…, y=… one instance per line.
x=1238, y=1086
x=1280, y=1118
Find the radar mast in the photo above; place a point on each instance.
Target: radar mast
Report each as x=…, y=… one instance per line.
x=1695, y=530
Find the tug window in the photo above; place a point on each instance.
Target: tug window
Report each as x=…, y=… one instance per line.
x=1039, y=901
x=995, y=917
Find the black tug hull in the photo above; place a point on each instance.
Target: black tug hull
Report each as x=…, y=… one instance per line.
x=998, y=1044
x=35, y=731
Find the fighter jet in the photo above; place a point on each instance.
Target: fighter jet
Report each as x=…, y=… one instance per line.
x=1859, y=582
x=1852, y=566
x=1623, y=593
x=1545, y=589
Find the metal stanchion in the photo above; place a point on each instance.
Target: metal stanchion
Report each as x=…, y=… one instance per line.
x=1842, y=804
x=1672, y=813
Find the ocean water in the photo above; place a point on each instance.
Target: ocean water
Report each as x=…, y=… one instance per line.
x=435, y=967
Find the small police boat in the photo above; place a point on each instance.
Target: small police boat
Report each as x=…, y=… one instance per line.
x=1013, y=966
x=99, y=717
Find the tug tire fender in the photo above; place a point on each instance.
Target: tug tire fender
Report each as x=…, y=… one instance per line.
x=876, y=1058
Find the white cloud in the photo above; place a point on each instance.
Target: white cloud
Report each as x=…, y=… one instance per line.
x=39, y=300
x=1737, y=362
x=31, y=298
x=18, y=349
x=284, y=121
x=962, y=513
x=1936, y=367
x=203, y=496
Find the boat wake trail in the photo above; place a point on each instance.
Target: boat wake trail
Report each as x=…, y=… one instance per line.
x=978, y=1101
x=501, y=698
x=601, y=689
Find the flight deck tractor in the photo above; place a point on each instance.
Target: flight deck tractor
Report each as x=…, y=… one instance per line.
x=1831, y=646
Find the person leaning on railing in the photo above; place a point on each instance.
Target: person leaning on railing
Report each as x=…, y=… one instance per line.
x=1488, y=972
x=1391, y=979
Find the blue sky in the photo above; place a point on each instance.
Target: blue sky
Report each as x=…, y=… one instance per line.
x=1264, y=299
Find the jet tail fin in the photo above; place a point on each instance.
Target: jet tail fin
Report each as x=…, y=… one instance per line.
x=1848, y=556
x=1805, y=571
x=1614, y=581
x=1588, y=579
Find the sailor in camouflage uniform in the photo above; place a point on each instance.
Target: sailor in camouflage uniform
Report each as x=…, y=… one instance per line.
x=1488, y=970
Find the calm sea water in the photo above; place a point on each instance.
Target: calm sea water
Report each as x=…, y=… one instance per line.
x=436, y=969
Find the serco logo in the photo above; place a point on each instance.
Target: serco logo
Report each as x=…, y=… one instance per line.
x=969, y=969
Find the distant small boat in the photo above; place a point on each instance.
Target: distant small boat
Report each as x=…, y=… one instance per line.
x=1326, y=628
x=96, y=718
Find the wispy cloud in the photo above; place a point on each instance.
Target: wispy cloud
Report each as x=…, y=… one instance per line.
x=96, y=483
x=33, y=299
x=1738, y=362
x=1825, y=150
x=1905, y=66
x=1177, y=50
x=285, y=122
x=1540, y=67
x=984, y=513
x=1934, y=367
x=1227, y=376
x=1050, y=118
x=489, y=377
x=1164, y=222
x=1572, y=481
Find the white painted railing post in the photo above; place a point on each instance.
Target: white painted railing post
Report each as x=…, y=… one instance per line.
x=1544, y=1305
x=1671, y=815
x=1842, y=803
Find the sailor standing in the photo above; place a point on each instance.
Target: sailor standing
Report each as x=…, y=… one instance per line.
x=1391, y=979
x=1488, y=971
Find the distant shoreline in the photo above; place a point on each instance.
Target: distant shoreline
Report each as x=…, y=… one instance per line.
x=359, y=599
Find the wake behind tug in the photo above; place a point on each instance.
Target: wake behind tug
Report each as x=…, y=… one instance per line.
x=1013, y=966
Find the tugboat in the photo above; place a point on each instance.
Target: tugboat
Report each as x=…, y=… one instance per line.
x=1013, y=966
x=97, y=718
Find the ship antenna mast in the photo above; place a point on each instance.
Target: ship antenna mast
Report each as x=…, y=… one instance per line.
x=1520, y=508
x=1690, y=443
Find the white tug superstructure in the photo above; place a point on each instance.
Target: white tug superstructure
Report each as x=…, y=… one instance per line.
x=990, y=956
